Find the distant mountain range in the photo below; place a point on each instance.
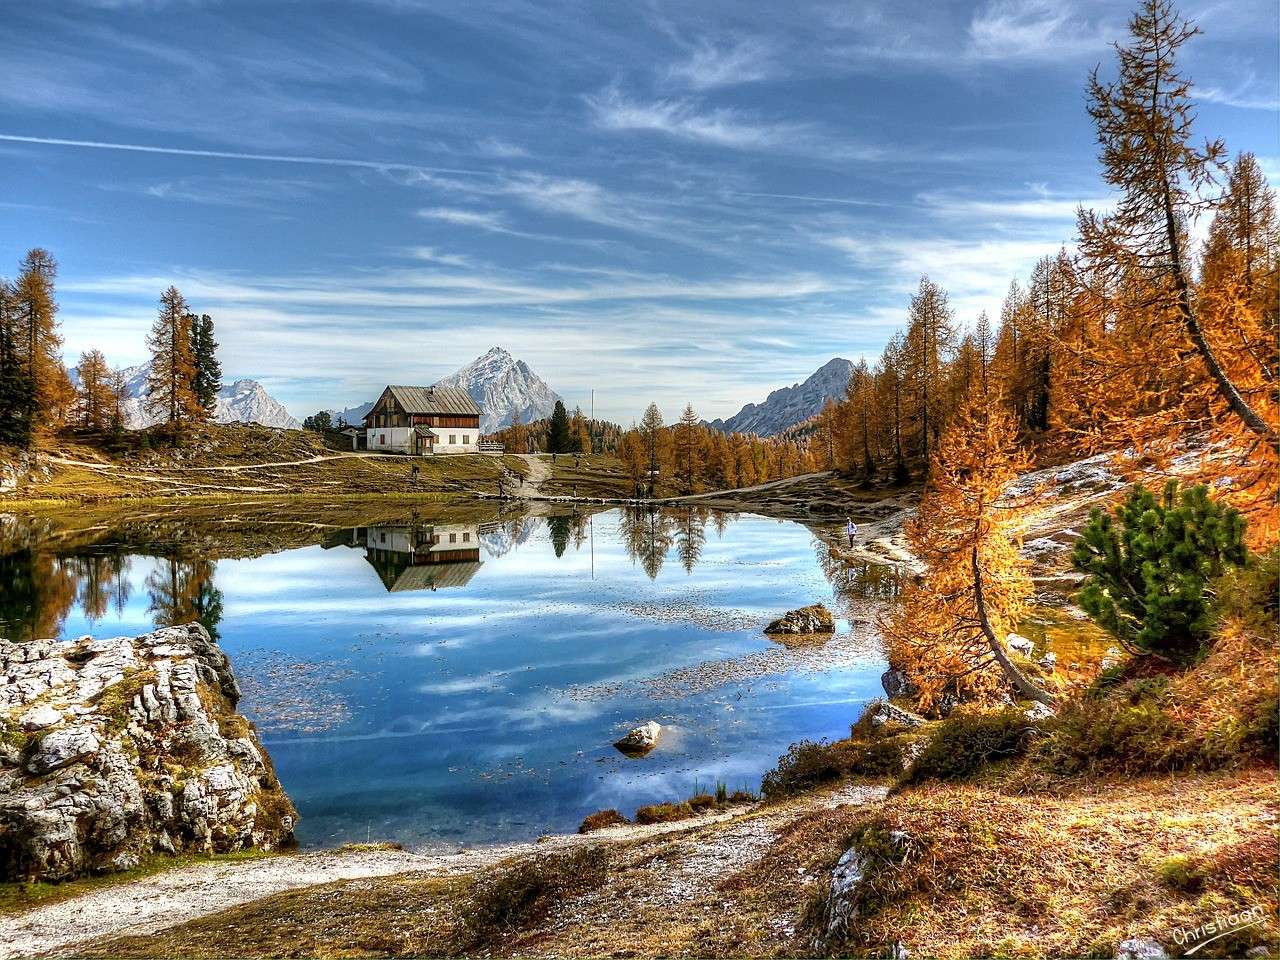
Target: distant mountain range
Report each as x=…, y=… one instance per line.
x=501, y=386
x=242, y=401
x=787, y=406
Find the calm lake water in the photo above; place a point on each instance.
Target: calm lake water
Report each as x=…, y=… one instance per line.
x=451, y=683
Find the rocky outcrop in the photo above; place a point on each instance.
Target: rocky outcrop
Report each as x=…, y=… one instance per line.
x=814, y=618
x=881, y=712
x=897, y=684
x=1020, y=644
x=845, y=890
x=114, y=749
x=640, y=740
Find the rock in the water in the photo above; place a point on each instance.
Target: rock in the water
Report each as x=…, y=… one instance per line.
x=133, y=747
x=1138, y=949
x=642, y=739
x=1020, y=644
x=814, y=618
x=896, y=684
x=1049, y=662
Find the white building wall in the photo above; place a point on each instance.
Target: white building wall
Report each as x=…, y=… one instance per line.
x=400, y=439
x=390, y=439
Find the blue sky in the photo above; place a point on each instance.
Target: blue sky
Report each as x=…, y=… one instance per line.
x=670, y=201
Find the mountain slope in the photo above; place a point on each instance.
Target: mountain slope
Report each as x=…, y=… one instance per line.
x=787, y=406
x=244, y=401
x=503, y=386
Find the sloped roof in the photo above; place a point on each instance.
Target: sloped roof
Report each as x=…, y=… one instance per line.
x=434, y=400
x=434, y=576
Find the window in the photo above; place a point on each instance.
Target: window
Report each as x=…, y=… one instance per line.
x=382, y=438
x=466, y=538
x=453, y=538
x=453, y=439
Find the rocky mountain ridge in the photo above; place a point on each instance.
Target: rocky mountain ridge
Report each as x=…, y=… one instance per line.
x=788, y=406
x=241, y=401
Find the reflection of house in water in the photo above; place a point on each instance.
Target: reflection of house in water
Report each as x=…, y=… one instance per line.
x=424, y=557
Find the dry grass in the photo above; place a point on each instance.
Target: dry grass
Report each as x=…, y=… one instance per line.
x=994, y=874
x=264, y=462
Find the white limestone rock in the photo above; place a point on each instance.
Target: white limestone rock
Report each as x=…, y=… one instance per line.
x=134, y=747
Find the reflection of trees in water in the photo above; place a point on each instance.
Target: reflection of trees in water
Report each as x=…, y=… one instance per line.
x=104, y=582
x=859, y=579
x=182, y=590
x=37, y=590
x=691, y=535
x=560, y=528
x=649, y=534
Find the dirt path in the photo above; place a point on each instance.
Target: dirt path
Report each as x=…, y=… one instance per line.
x=539, y=473
x=186, y=893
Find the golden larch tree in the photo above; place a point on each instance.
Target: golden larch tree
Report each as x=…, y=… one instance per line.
x=947, y=631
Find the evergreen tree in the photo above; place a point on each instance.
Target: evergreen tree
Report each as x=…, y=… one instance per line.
x=1149, y=568
x=559, y=436
x=17, y=392
x=208, y=371
x=169, y=393
x=687, y=449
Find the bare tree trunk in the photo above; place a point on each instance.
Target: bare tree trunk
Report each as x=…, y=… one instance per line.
x=1226, y=387
x=1011, y=671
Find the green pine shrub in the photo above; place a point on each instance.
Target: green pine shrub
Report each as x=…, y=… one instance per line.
x=1149, y=567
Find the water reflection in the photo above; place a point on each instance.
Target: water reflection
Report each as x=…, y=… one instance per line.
x=421, y=557
x=39, y=589
x=445, y=679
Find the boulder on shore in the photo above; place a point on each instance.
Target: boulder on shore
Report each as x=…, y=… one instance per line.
x=896, y=684
x=814, y=618
x=113, y=750
x=642, y=739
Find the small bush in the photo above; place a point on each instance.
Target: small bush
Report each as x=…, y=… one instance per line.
x=524, y=892
x=963, y=743
x=601, y=819
x=701, y=801
x=664, y=812
x=1148, y=567
x=1125, y=728
x=1181, y=872
x=810, y=764
x=1251, y=593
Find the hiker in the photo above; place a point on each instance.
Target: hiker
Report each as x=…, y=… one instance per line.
x=850, y=528
x=413, y=473
x=502, y=493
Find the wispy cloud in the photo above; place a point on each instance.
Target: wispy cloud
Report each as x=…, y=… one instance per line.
x=710, y=66
x=1249, y=94
x=688, y=120
x=493, y=222
x=1032, y=30
x=1037, y=203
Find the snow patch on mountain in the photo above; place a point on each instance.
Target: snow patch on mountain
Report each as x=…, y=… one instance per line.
x=242, y=401
x=787, y=406
x=503, y=386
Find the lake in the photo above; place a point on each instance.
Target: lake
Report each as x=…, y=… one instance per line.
x=443, y=681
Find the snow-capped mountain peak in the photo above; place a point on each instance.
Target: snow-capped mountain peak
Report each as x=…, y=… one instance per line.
x=503, y=386
x=242, y=401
